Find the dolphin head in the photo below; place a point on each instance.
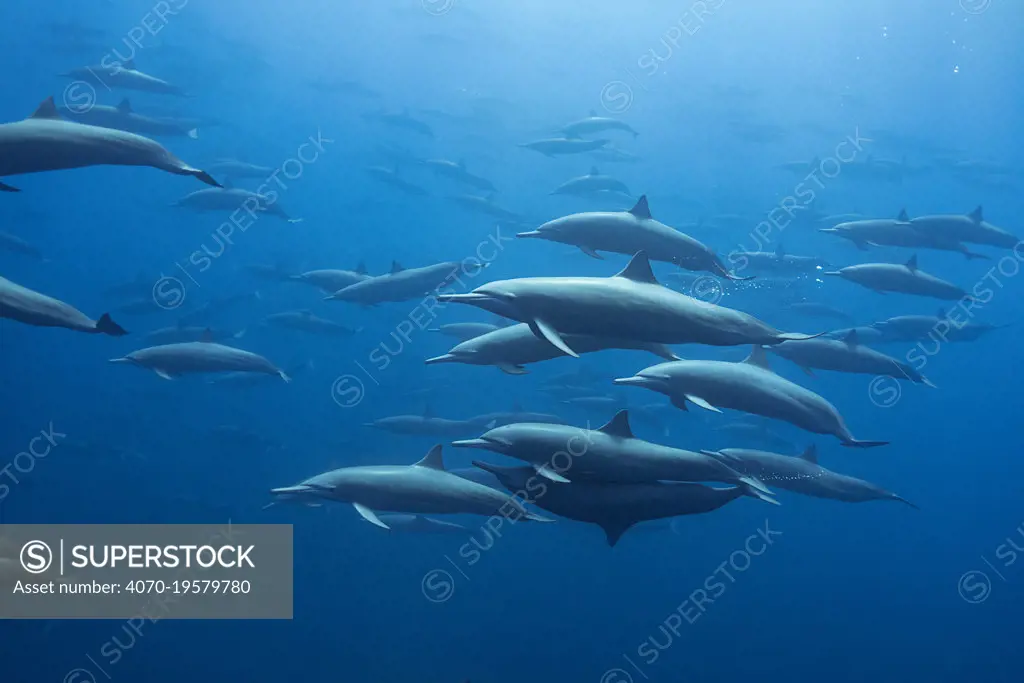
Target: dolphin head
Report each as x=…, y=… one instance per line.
x=126, y=360
x=491, y=297
x=645, y=379
x=491, y=441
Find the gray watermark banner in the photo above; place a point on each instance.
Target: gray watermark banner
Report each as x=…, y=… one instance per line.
x=151, y=571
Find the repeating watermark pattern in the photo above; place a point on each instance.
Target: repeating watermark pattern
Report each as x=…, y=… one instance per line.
x=438, y=585
x=975, y=586
x=437, y=8
x=169, y=292
x=694, y=606
x=349, y=389
x=131, y=631
x=975, y=6
x=80, y=95
x=24, y=462
x=955, y=319
x=800, y=199
x=617, y=95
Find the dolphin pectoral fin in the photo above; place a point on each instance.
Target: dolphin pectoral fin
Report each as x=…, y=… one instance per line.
x=510, y=369
x=163, y=374
x=369, y=515
x=549, y=474
x=545, y=331
x=698, y=401
x=591, y=253
x=8, y=188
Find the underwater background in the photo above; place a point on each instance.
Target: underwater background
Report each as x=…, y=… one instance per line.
x=722, y=94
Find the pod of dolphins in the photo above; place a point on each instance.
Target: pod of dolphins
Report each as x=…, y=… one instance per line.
x=606, y=476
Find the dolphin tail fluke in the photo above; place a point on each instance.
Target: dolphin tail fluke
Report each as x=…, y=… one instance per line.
x=856, y=443
x=106, y=325
x=8, y=188
x=284, y=375
x=903, y=500
x=204, y=176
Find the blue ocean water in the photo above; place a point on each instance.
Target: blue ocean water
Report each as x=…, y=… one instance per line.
x=742, y=109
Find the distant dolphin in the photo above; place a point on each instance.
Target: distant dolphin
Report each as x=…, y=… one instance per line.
x=419, y=524
x=596, y=124
x=613, y=507
x=125, y=76
x=749, y=386
x=629, y=304
x=423, y=488
x=232, y=169
x=183, y=333
x=32, y=308
x=897, y=233
x=556, y=146
x=818, y=310
x=590, y=183
x=171, y=360
x=232, y=199
x=846, y=355
x=510, y=348
x=391, y=177
x=970, y=228
x=403, y=121
x=465, y=331
x=627, y=232
x=305, y=321
x=777, y=262
x=905, y=279
x=400, y=284
x=17, y=245
x=912, y=328
x=611, y=454
x=456, y=170
x=424, y=425
x=45, y=142
x=330, y=281
x=123, y=118
x=803, y=474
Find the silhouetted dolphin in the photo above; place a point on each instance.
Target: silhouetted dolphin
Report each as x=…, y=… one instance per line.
x=970, y=228
x=171, y=360
x=846, y=355
x=45, y=142
x=906, y=279
x=613, y=507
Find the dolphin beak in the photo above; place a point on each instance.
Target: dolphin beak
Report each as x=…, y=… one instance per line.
x=829, y=230
x=472, y=443
x=531, y=233
x=286, y=490
x=635, y=381
x=463, y=298
x=120, y=361
x=446, y=358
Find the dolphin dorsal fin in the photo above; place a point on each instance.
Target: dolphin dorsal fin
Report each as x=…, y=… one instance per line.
x=851, y=338
x=124, y=106
x=361, y=268
x=461, y=163
x=396, y=267
x=592, y=113
x=780, y=251
x=758, y=358
x=594, y=171
x=618, y=425
x=428, y=411
x=912, y=263
x=639, y=269
x=976, y=215
x=227, y=184
x=641, y=210
x=432, y=459
x=129, y=64
x=903, y=216
x=517, y=407
x=46, y=110
x=810, y=454
x=207, y=336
